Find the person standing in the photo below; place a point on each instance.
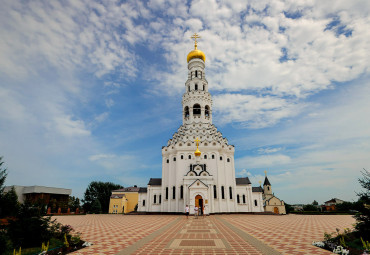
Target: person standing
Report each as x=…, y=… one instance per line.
x=187, y=211
x=196, y=212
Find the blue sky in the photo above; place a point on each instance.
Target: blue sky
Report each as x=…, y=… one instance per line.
x=92, y=90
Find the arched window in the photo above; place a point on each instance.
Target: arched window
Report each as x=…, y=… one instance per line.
x=243, y=199
x=205, y=156
x=196, y=73
x=173, y=192
x=206, y=111
x=155, y=199
x=213, y=156
x=168, y=161
x=174, y=159
x=238, y=199
x=160, y=198
x=143, y=202
x=196, y=87
x=228, y=160
x=166, y=192
x=189, y=88
x=196, y=109
x=268, y=188
x=181, y=192
x=222, y=192
x=255, y=202
x=186, y=111
x=214, y=191
x=203, y=87
x=189, y=157
x=231, y=192
x=182, y=156
x=220, y=158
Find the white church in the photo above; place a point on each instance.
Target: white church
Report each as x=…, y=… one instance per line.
x=198, y=163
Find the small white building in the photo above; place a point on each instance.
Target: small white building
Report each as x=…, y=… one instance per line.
x=198, y=163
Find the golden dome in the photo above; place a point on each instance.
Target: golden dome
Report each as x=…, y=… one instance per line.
x=197, y=153
x=196, y=54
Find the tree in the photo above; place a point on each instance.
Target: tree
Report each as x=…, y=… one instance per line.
x=363, y=216
x=9, y=203
x=309, y=208
x=96, y=206
x=3, y=175
x=73, y=203
x=315, y=202
x=345, y=207
x=288, y=208
x=99, y=191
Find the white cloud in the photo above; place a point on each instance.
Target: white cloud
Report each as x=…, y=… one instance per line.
x=253, y=111
x=268, y=150
x=69, y=127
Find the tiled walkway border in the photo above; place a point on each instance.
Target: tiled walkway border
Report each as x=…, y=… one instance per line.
x=265, y=249
x=146, y=239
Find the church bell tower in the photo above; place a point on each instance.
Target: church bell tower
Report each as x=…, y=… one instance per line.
x=196, y=101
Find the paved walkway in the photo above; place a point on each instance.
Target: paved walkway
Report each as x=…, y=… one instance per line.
x=220, y=234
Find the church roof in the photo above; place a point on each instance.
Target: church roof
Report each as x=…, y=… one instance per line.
x=143, y=190
x=257, y=189
x=155, y=181
x=128, y=189
x=117, y=196
x=242, y=181
x=266, y=181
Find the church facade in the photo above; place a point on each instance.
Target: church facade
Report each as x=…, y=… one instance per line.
x=198, y=162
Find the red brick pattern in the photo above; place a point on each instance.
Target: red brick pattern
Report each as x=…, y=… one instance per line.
x=291, y=234
x=112, y=233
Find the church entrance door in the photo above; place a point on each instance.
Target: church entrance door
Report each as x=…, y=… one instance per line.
x=199, y=203
x=276, y=210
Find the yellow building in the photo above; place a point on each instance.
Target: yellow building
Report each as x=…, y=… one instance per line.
x=124, y=200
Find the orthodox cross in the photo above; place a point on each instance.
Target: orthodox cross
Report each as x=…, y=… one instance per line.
x=195, y=36
x=197, y=141
x=260, y=182
x=265, y=173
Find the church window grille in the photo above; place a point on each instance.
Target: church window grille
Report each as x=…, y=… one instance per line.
x=155, y=199
x=231, y=192
x=181, y=192
x=182, y=156
x=160, y=198
x=196, y=109
x=166, y=192
x=206, y=111
x=255, y=202
x=173, y=192
x=205, y=156
x=220, y=158
x=214, y=191
x=143, y=202
x=238, y=199
x=228, y=160
x=196, y=87
x=189, y=157
x=243, y=199
x=213, y=156
x=174, y=159
x=222, y=192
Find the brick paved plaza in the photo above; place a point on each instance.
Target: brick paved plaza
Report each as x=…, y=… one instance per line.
x=216, y=234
